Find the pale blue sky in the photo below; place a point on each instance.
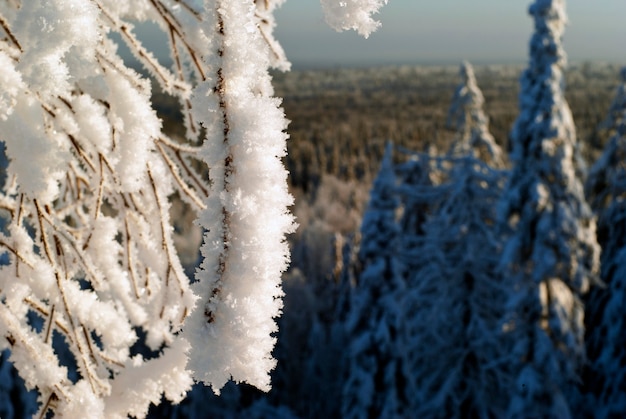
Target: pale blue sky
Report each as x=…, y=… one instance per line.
x=447, y=31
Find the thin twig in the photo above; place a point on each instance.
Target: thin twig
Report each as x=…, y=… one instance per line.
x=42, y=234
x=191, y=174
x=173, y=24
x=185, y=148
x=164, y=242
x=49, y=326
x=103, y=59
x=129, y=260
x=7, y=29
x=72, y=243
x=81, y=152
x=100, y=188
x=181, y=76
x=41, y=310
x=17, y=254
x=190, y=9
x=181, y=183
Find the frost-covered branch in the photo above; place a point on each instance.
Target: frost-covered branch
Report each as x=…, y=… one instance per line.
x=244, y=252
x=88, y=230
x=467, y=117
x=266, y=22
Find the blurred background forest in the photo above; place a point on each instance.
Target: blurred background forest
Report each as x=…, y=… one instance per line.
x=341, y=119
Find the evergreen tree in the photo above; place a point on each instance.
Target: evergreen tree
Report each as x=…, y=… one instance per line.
x=375, y=377
x=455, y=302
x=605, y=377
x=552, y=255
x=455, y=299
x=467, y=117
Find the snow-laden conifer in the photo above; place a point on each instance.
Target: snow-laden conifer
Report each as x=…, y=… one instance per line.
x=467, y=117
x=375, y=374
x=454, y=303
x=422, y=189
x=552, y=255
x=605, y=377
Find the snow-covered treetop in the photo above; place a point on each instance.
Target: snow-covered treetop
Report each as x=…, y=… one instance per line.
x=466, y=96
x=547, y=65
x=542, y=83
x=545, y=45
x=544, y=135
x=552, y=255
x=467, y=117
x=550, y=20
x=352, y=14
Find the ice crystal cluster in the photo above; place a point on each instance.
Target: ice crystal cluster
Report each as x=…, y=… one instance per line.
x=93, y=267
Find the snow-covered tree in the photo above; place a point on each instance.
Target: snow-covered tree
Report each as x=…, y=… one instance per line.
x=455, y=302
x=467, y=117
x=90, y=240
x=375, y=374
x=605, y=377
x=552, y=256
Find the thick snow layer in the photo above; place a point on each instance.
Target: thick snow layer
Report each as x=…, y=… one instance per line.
x=245, y=253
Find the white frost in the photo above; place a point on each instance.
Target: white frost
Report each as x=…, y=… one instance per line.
x=352, y=14
x=239, y=281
